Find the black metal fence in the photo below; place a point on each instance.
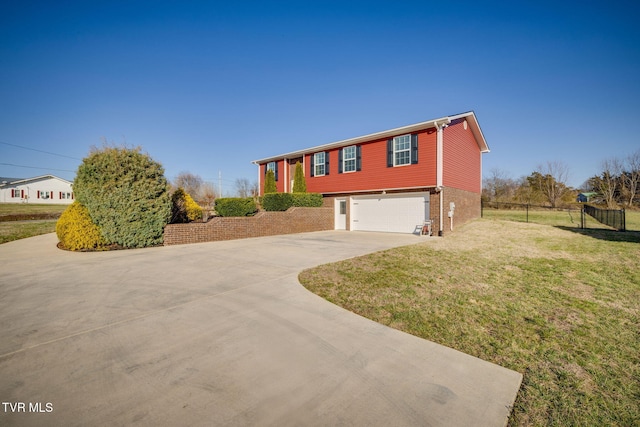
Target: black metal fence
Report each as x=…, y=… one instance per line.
x=569, y=216
x=614, y=218
x=560, y=215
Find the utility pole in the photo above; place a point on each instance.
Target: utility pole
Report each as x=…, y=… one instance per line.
x=220, y=183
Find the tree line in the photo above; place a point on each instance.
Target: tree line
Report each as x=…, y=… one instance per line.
x=205, y=192
x=617, y=184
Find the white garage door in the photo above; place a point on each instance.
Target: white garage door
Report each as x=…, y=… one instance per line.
x=399, y=213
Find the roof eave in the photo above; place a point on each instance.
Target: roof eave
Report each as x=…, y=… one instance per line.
x=475, y=128
x=357, y=140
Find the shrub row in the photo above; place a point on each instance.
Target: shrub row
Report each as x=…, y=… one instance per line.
x=236, y=206
x=283, y=201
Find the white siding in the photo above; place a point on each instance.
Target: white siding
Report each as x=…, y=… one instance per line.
x=47, y=189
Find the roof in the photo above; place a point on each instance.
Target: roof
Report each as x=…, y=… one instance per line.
x=14, y=181
x=5, y=180
x=469, y=116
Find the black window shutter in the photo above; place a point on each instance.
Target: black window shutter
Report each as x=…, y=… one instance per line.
x=326, y=163
x=312, y=165
x=358, y=158
x=414, y=149
x=340, y=160
x=275, y=170
x=390, y=153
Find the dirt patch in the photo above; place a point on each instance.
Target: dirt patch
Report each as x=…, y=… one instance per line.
x=29, y=217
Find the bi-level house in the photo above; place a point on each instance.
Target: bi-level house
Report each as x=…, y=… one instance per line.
x=394, y=180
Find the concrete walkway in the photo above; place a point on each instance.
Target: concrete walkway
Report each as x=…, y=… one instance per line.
x=220, y=334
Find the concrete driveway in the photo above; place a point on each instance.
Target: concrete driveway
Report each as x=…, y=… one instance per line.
x=220, y=334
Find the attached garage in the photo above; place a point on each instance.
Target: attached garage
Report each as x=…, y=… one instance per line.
x=397, y=213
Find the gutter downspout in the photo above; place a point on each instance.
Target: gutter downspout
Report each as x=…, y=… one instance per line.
x=439, y=168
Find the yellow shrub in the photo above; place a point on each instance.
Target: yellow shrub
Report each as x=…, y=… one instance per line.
x=185, y=209
x=76, y=231
x=194, y=211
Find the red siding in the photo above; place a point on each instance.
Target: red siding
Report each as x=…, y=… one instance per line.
x=375, y=175
x=461, y=158
x=281, y=176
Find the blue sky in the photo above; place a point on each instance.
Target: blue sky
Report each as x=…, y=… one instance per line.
x=207, y=87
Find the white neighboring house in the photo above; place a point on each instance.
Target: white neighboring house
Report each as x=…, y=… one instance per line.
x=47, y=189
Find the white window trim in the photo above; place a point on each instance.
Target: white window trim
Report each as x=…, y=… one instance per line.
x=354, y=159
x=399, y=151
x=321, y=164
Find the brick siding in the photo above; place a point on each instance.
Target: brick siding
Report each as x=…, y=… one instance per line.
x=467, y=207
x=294, y=220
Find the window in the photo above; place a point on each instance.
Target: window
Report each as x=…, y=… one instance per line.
x=349, y=159
x=320, y=164
x=272, y=166
x=402, y=150
x=318, y=161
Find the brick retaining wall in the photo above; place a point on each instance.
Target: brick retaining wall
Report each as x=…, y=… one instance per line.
x=294, y=220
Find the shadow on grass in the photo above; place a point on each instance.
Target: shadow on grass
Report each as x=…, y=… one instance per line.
x=606, y=234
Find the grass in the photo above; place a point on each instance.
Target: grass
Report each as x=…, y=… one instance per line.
x=29, y=208
x=558, y=304
x=14, y=230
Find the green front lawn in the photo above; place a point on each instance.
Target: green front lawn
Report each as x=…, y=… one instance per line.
x=560, y=305
x=29, y=208
x=14, y=230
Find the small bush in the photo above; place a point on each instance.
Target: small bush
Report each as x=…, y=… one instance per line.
x=184, y=208
x=277, y=202
x=309, y=200
x=236, y=206
x=76, y=231
x=283, y=201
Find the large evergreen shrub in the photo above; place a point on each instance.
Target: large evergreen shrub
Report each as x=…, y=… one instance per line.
x=270, y=182
x=236, y=206
x=76, y=231
x=299, y=183
x=126, y=194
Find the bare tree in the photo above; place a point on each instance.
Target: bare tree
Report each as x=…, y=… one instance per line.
x=207, y=194
x=246, y=188
x=499, y=187
x=551, y=180
x=631, y=176
x=190, y=183
x=242, y=187
x=608, y=182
